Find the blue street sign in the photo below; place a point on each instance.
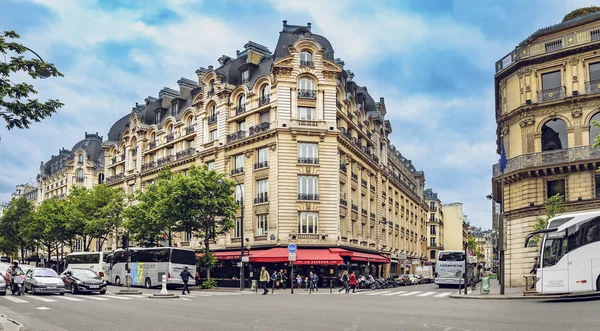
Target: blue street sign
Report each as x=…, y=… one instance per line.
x=292, y=248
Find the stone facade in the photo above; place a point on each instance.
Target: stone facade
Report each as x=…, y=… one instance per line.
x=435, y=225
x=303, y=139
x=455, y=226
x=547, y=97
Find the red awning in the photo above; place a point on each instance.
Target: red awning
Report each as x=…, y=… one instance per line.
x=360, y=256
x=303, y=256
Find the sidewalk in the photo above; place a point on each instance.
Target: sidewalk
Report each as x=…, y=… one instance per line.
x=516, y=293
x=7, y=324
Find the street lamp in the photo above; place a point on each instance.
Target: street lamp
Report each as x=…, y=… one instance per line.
x=500, y=239
x=45, y=72
x=241, y=231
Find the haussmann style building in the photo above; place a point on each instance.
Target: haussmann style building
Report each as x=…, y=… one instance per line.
x=309, y=146
x=547, y=97
x=435, y=226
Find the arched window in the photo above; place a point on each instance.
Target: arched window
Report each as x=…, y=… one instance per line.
x=241, y=107
x=306, y=88
x=211, y=87
x=170, y=130
x=554, y=135
x=213, y=110
x=265, y=95
x=153, y=137
x=306, y=58
x=594, y=131
x=80, y=159
x=190, y=121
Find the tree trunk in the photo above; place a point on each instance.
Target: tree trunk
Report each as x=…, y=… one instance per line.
x=22, y=252
x=207, y=251
x=170, y=238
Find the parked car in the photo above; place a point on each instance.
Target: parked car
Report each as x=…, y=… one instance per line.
x=402, y=280
x=83, y=280
x=413, y=280
x=419, y=279
x=43, y=280
x=2, y=286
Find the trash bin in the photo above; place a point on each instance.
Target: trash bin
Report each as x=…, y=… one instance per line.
x=254, y=285
x=485, y=285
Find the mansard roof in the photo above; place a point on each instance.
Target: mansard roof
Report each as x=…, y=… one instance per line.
x=291, y=33
x=561, y=26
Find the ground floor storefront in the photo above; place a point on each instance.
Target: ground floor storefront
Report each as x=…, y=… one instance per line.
x=327, y=263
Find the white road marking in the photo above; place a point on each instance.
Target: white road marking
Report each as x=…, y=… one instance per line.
x=139, y=296
x=409, y=293
x=395, y=293
x=184, y=299
x=378, y=293
x=41, y=299
x=64, y=297
x=441, y=295
x=97, y=298
x=117, y=297
x=43, y=308
x=15, y=300
x=426, y=294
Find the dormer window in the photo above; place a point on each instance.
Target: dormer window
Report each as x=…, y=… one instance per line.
x=157, y=117
x=245, y=76
x=80, y=159
x=306, y=59
x=175, y=109
x=211, y=87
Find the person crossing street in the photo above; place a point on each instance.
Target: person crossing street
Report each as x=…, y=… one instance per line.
x=264, y=279
x=185, y=277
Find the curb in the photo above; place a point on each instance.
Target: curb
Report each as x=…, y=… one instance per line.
x=9, y=324
x=532, y=297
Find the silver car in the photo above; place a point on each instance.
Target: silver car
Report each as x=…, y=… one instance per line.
x=43, y=280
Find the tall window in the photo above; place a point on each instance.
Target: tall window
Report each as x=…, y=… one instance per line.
x=211, y=86
x=239, y=193
x=238, y=162
x=80, y=175
x=242, y=102
x=245, y=76
x=432, y=229
x=265, y=92
x=554, y=187
x=554, y=135
x=306, y=113
x=80, y=159
x=211, y=165
x=212, y=136
x=342, y=191
x=241, y=126
x=190, y=122
x=307, y=222
x=306, y=58
x=153, y=137
x=131, y=188
x=306, y=84
x=262, y=190
x=308, y=187
x=237, y=230
x=78, y=245
x=595, y=72
x=175, y=109
x=263, y=156
x=308, y=153
x=213, y=110
x=263, y=225
x=551, y=80
x=432, y=255
x=265, y=117
x=187, y=236
x=594, y=131
x=431, y=217
x=172, y=151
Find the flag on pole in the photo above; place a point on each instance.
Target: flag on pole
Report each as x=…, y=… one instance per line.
x=503, y=160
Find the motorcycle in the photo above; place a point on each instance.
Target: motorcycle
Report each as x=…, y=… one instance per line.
x=16, y=282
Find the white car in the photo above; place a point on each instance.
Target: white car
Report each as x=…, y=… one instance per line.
x=414, y=280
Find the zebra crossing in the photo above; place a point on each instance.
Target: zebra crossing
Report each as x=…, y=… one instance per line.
x=405, y=293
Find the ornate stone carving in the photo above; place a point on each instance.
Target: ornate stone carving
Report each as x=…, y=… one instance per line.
x=520, y=73
x=576, y=111
x=503, y=83
x=528, y=88
x=527, y=70
x=527, y=121
x=573, y=60
x=273, y=147
x=504, y=131
x=575, y=79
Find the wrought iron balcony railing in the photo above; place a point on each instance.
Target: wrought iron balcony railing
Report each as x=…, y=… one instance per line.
x=212, y=119
x=170, y=137
x=552, y=94
x=259, y=128
x=308, y=160
x=114, y=178
x=548, y=158
x=185, y=153
x=189, y=130
x=354, y=207
x=307, y=94
x=308, y=196
x=261, y=198
x=236, y=171
x=149, y=165
x=152, y=145
x=592, y=86
x=344, y=202
x=363, y=211
x=240, y=109
x=260, y=165
x=343, y=168
x=306, y=63
x=236, y=136
x=80, y=179
x=164, y=160
x=265, y=99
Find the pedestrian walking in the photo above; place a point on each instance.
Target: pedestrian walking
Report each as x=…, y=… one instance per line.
x=315, y=282
x=185, y=277
x=197, y=278
x=352, y=283
x=344, y=279
x=273, y=280
x=533, y=271
x=282, y=279
x=308, y=281
x=264, y=279
x=298, y=281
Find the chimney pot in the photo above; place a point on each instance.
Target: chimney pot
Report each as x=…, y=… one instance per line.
x=309, y=25
x=284, y=23
x=210, y=67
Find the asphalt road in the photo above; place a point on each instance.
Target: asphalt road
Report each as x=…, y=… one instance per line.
x=419, y=307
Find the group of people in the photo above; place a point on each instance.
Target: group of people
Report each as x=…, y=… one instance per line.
x=277, y=279
x=348, y=282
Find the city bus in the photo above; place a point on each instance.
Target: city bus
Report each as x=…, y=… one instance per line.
x=89, y=260
x=569, y=259
x=450, y=267
x=148, y=265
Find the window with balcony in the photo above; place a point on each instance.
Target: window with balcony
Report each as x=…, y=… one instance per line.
x=80, y=175
x=306, y=88
x=213, y=110
x=594, y=131
x=552, y=88
x=308, y=153
x=431, y=217
x=306, y=58
x=241, y=105
x=432, y=229
x=265, y=95
x=265, y=117
x=554, y=187
x=239, y=193
x=308, y=188
x=263, y=158
x=262, y=191
x=554, y=135
x=308, y=222
x=212, y=136
x=237, y=228
x=306, y=113
x=262, y=227
x=245, y=76
x=211, y=165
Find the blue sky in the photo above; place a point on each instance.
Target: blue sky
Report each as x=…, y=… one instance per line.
x=433, y=61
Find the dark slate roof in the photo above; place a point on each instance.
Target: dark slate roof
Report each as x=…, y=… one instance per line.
x=561, y=26
x=291, y=33
x=92, y=145
x=230, y=71
x=430, y=195
x=118, y=128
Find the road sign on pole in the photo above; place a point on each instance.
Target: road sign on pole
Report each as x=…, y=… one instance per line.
x=292, y=257
x=292, y=248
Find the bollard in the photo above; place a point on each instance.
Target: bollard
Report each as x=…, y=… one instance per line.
x=164, y=285
x=330, y=286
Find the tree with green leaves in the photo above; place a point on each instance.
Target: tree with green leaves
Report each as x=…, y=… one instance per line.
x=581, y=12
x=15, y=220
x=554, y=207
x=49, y=225
x=17, y=107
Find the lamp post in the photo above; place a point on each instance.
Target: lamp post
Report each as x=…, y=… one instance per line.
x=241, y=232
x=45, y=72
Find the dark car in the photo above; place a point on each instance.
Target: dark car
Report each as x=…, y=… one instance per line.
x=402, y=280
x=83, y=280
x=43, y=280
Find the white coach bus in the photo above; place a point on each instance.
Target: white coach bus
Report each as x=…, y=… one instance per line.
x=570, y=254
x=89, y=260
x=450, y=267
x=148, y=265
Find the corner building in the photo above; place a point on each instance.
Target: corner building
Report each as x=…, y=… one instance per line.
x=309, y=147
x=435, y=224
x=547, y=96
